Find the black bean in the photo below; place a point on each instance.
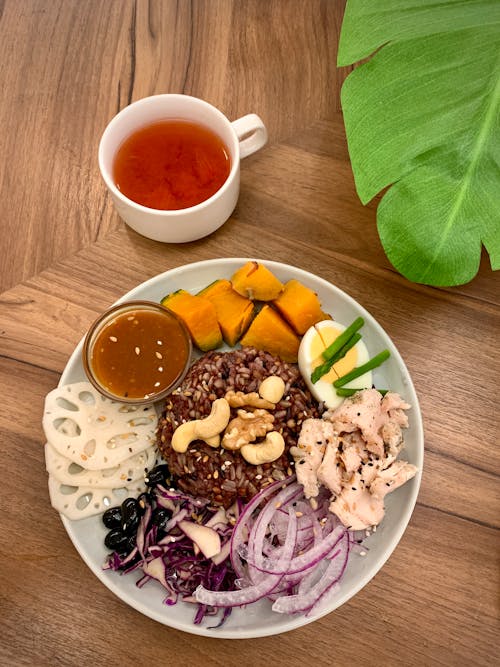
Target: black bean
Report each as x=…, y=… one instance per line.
x=159, y=475
x=116, y=540
x=112, y=518
x=130, y=515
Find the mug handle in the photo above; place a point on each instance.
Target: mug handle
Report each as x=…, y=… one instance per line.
x=251, y=133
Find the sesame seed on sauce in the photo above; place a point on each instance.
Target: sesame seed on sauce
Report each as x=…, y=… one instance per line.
x=137, y=350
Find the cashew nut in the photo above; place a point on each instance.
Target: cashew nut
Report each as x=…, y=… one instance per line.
x=266, y=451
x=216, y=421
x=214, y=441
x=272, y=389
x=186, y=433
x=207, y=429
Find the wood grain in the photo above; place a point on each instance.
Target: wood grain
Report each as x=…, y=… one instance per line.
x=69, y=66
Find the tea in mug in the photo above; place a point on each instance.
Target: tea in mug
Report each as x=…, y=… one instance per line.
x=171, y=165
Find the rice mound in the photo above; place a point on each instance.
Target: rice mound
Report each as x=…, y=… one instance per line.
x=221, y=475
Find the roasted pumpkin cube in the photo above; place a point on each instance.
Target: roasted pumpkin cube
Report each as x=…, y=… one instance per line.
x=199, y=316
x=269, y=331
x=300, y=306
x=256, y=282
x=234, y=312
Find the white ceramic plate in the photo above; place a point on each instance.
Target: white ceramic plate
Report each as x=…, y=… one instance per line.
x=257, y=620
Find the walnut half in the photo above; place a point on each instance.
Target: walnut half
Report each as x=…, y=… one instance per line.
x=238, y=399
x=246, y=428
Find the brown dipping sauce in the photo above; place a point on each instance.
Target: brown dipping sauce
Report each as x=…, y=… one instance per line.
x=139, y=352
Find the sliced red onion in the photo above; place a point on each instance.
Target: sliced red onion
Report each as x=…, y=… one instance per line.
x=260, y=528
x=258, y=591
x=241, y=528
x=309, y=559
x=300, y=582
x=304, y=602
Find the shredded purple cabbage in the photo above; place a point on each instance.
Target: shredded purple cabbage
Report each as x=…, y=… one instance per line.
x=169, y=556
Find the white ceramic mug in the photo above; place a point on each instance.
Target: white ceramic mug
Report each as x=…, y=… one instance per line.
x=242, y=137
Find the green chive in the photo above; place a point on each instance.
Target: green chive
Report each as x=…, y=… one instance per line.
x=341, y=340
x=347, y=391
x=323, y=369
x=360, y=370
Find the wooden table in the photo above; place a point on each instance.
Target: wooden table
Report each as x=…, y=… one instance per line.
x=65, y=68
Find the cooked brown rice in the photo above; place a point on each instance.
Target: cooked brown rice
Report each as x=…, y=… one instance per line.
x=219, y=474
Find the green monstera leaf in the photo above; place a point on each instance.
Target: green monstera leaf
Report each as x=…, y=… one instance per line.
x=422, y=118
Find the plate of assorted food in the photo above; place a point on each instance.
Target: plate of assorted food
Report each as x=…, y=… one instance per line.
x=235, y=448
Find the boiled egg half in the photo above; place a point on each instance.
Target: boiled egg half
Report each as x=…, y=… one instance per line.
x=316, y=339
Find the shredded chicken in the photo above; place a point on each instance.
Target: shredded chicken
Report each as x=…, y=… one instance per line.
x=314, y=437
x=391, y=478
x=373, y=415
x=352, y=452
x=356, y=507
x=329, y=472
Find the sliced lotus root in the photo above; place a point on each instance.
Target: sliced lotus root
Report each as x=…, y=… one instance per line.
x=73, y=474
x=79, y=502
x=94, y=431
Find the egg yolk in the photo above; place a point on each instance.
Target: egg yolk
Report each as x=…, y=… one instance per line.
x=323, y=338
